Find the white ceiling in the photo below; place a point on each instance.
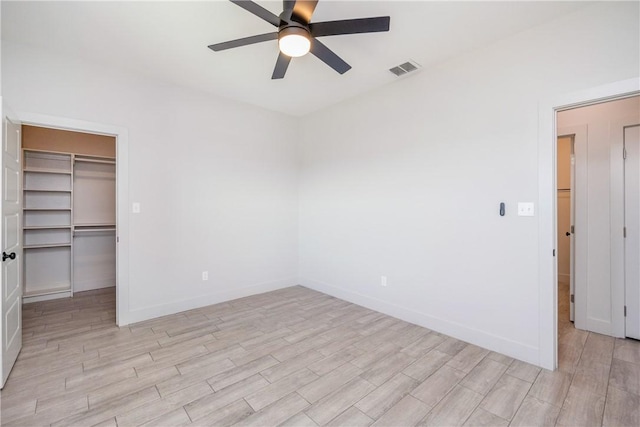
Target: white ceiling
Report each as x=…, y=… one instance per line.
x=168, y=41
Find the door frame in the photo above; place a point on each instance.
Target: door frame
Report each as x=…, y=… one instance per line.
x=122, y=194
x=547, y=192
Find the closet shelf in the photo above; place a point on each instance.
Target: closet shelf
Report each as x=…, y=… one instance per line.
x=46, y=209
x=89, y=160
x=53, y=171
x=35, y=190
x=52, y=245
x=47, y=227
x=94, y=230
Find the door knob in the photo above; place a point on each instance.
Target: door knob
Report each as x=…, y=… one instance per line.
x=12, y=255
x=568, y=234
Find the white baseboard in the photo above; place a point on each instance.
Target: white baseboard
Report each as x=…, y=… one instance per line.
x=152, y=312
x=90, y=285
x=46, y=297
x=465, y=333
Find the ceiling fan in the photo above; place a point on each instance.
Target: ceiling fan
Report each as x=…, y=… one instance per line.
x=297, y=35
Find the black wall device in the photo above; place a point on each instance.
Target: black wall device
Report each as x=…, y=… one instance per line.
x=502, y=209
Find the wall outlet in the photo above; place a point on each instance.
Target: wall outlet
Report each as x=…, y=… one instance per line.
x=135, y=207
x=205, y=275
x=383, y=280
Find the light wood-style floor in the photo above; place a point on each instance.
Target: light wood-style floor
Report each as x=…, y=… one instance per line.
x=296, y=357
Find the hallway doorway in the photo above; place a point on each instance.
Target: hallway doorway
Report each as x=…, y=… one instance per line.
x=590, y=207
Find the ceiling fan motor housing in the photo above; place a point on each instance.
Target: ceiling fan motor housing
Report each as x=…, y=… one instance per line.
x=294, y=40
x=290, y=28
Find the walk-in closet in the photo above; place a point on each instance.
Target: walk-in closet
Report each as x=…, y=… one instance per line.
x=69, y=212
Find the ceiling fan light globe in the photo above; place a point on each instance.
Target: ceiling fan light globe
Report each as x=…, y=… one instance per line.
x=294, y=44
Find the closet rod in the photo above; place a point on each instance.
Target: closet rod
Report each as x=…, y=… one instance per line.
x=109, y=162
x=93, y=230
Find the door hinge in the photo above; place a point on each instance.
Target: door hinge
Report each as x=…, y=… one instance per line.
x=554, y=252
x=572, y=230
x=572, y=298
x=118, y=239
x=625, y=311
x=624, y=232
x=624, y=153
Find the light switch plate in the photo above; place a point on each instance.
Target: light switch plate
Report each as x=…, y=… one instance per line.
x=135, y=208
x=525, y=209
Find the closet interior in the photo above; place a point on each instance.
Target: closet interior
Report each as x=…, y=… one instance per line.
x=69, y=212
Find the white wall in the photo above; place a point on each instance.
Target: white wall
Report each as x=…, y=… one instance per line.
x=406, y=181
x=216, y=179
x=595, y=212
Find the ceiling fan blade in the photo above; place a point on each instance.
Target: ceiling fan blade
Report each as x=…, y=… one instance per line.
x=287, y=8
x=281, y=66
x=243, y=41
x=304, y=9
x=327, y=56
x=350, y=26
x=258, y=10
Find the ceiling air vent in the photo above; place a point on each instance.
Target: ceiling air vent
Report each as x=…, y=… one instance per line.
x=405, y=68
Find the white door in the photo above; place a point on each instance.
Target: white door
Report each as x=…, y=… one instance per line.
x=565, y=220
x=577, y=226
x=11, y=314
x=632, y=227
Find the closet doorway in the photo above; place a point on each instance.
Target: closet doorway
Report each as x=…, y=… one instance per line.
x=69, y=214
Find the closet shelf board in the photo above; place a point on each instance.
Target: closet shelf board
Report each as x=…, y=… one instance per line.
x=53, y=245
x=52, y=171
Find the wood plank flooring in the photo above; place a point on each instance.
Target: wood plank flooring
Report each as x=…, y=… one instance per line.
x=296, y=357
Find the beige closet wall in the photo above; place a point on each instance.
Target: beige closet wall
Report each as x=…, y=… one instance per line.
x=38, y=138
